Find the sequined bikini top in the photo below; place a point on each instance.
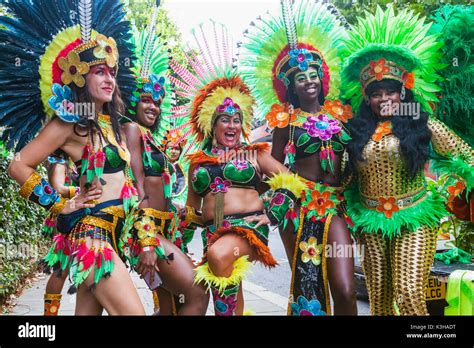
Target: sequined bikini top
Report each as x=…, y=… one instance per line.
x=212, y=174
x=113, y=162
x=155, y=161
x=312, y=133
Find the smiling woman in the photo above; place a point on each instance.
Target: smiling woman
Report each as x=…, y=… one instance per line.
x=74, y=63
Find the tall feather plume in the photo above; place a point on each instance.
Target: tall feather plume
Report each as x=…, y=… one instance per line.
x=208, y=50
x=290, y=25
x=193, y=61
x=150, y=43
x=218, y=48
x=85, y=19
x=201, y=51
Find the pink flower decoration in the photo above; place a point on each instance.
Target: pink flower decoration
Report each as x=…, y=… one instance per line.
x=321, y=127
x=240, y=165
x=226, y=224
x=219, y=185
x=228, y=107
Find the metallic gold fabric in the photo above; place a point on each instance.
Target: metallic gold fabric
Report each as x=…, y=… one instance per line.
x=383, y=174
x=398, y=270
x=445, y=141
x=377, y=270
x=29, y=185
x=412, y=256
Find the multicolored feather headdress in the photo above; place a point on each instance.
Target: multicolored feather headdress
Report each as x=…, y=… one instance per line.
x=48, y=46
x=385, y=46
x=276, y=45
x=151, y=71
x=213, y=87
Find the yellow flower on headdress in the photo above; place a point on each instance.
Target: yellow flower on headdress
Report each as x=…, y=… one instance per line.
x=145, y=227
x=106, y=48
x=73, y=69
x=311, y=251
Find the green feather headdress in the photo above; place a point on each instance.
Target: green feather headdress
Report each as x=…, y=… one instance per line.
x=312, y=28
x=455, y=27
x=151, y=69
x=394, y=47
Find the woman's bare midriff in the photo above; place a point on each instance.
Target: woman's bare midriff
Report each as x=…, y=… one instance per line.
x=310, y=169
x=113, y=187
x=236, y=201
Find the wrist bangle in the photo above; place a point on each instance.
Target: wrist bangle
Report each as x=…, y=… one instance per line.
x=28, y=186
x=58, y=206
x=40, y=192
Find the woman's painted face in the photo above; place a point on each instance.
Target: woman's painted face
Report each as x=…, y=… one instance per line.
x=174, y=152
x=384, y=101
x=307, y=84
x=148, y=111
x=100, y=82
x=227, y=130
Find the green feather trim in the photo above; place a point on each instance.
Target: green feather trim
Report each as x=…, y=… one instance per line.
x=205, y=275
x=454, y=165
x=428, y=212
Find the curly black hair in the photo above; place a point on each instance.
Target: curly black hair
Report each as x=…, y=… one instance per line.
x=413, y=133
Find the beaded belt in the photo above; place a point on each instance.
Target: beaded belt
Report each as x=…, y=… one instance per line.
x=402, y=201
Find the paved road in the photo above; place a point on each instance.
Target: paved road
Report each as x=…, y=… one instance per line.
x=265, y=291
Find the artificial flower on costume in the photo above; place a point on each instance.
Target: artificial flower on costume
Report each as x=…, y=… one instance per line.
x=455, y=190
x=277, y=200
x=408, y=80
x=300, y=57
x=384, y=128
x=228, y=107
x=106, y=49
x=219, y=185
x=240, y=165
x=378, y=68
x=61, y=103
x=155, y=87
x=73, y=69
x=338, y=110
x=51, y=307
x=45, y=193
x=321, y=127
x=388, y=206
x=312, y=251
x=279, y=116
x=145, y=227
x=320, y=202
x=303, y=307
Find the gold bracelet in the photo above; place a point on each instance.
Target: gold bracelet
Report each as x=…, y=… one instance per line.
x=72, y=191
x=149, y=241
x=29, y=185
x=57, y=208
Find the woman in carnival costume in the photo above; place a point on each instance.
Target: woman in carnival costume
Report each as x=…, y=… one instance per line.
x=157, y=245
x=392, y=61
x=291, y=63
x=225, y=172
x=69, y=69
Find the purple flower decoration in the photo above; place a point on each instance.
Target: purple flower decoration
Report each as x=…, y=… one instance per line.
x=226, y=224
x=240, y=165
x=277, y=200
x=300, y=58
x=219, y=185
x=321, y=127
x=228, y=107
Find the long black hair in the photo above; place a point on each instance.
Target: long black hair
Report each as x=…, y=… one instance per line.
x=115, y=109
x=413, y=133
